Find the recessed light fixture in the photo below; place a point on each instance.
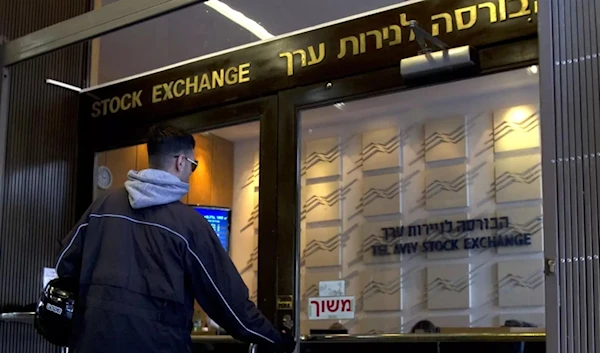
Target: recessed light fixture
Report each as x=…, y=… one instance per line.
x=533, y=69
x=239, y=18
x=63, y=85
x=519, y=114
x=339, y=105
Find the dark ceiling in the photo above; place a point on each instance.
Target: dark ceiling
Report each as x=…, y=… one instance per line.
x=199, y=30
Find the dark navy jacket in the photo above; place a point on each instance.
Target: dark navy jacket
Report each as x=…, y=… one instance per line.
x=140, y=271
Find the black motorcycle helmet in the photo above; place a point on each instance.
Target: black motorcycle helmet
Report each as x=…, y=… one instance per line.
x=54, y=311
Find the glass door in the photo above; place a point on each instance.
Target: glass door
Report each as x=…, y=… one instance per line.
x=423, y=209
x=224, y=189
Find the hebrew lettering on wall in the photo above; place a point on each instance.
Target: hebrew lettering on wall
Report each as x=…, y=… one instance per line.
x=523, y=220
x=489, y=12
x=314, y=56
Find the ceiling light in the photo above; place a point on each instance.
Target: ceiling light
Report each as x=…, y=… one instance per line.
x=519, y=114
x=339, y=105
x=63, y=85
x=533, y=69
x=239, y=18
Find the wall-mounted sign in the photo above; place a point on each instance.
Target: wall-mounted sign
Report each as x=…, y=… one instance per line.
x=49, y=275
x=285, y=302
x=362, y=45
x=506, y=237
x=332, y=288
x=331, y=308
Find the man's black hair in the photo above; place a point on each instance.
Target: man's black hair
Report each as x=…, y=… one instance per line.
x=167, y=142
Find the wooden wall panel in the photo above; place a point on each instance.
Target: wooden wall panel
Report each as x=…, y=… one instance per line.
x=101, y=158
x=202, y=179
x=222, y=170
x=142, y=157
x=120, y=162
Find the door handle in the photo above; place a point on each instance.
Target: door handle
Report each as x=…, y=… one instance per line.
x=252, y=348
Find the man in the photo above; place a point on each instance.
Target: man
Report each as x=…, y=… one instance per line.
x=142, y=257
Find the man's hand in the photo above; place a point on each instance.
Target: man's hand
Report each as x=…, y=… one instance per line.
x=288, y=343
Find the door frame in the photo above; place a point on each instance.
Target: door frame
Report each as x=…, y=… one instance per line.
x=106, y=134
x=291, y=102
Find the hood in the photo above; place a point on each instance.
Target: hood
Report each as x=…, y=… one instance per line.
x=152, y=187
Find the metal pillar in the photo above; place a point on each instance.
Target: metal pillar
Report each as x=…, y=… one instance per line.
x=4, y=99
x=570, y=120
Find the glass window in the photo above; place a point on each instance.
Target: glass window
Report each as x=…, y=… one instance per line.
x=206, y=28
x=427, y=204
x=226, y=178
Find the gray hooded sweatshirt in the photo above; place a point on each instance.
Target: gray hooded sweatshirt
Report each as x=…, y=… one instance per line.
x=153, y=187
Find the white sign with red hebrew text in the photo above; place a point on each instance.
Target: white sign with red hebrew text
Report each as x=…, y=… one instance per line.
x=331, y=308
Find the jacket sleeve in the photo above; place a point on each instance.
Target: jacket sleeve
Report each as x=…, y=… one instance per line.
x=221, y=292
x=68, y=263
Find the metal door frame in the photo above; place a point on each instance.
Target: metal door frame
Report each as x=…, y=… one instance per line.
x=291, y=102
x=549, y=178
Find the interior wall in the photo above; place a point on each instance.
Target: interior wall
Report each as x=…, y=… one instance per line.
x=211, y=183
x=429, y=162
x=38, y=188
x=244, y=224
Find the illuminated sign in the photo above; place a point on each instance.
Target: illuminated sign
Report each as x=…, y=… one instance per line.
x=364, y=44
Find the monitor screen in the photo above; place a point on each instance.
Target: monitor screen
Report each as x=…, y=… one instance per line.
x=219, y=219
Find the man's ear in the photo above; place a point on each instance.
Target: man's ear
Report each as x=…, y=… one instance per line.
x=180, y=163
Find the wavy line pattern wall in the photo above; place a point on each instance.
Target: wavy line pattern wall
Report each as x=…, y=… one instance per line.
x=244, y=223
x=412, y=179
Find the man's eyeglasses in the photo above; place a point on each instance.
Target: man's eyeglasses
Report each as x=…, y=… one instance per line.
x=193, y=162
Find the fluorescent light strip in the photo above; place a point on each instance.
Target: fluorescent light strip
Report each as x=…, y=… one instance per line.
x=239, y=18
x=63, y=85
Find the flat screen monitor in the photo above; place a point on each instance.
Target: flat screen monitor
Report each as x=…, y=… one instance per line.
x=219, y=218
